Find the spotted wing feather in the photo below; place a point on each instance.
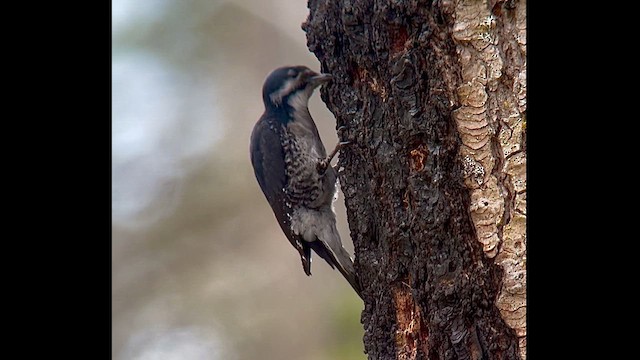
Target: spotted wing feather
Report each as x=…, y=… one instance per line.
x=267, y=158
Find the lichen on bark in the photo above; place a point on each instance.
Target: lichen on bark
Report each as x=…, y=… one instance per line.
x=491, y=42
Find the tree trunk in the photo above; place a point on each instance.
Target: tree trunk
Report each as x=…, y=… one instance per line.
x=433, y=95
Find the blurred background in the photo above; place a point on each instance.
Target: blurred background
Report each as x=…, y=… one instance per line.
x=200, y=268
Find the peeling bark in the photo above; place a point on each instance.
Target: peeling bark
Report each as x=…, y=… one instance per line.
x=433, y=95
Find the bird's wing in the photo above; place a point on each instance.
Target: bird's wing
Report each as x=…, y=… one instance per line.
x=267, y=158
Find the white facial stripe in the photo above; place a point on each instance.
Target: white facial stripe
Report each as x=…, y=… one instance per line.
x=299, y=101
x=287, y=88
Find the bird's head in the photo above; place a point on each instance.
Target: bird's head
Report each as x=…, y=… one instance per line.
x=291, y=85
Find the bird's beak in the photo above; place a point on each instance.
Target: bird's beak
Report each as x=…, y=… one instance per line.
x=319, y=79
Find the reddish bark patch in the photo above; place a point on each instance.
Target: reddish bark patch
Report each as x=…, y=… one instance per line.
x=359, y=74
x=399, y=36
x=418, y=156
x=411, y=333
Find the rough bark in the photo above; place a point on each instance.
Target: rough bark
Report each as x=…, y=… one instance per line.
x=433, y=95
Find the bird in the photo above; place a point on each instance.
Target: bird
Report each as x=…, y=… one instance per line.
x=293, y=169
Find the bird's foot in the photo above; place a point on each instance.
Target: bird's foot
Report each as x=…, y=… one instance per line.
x=322, y=166
x=324, y=163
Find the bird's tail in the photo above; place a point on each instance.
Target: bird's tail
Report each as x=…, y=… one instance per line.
x=329, y=247
x=345, y=266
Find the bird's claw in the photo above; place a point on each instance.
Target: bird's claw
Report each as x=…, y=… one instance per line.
x=324, y=163
x=322, y=166
x=340, y=131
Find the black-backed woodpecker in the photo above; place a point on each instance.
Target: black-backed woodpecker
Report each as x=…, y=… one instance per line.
x=293, y=169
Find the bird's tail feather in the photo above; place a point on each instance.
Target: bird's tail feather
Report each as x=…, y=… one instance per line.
x=345, y=266
x=336, y=256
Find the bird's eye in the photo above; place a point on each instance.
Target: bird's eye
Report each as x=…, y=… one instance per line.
x=292, y=73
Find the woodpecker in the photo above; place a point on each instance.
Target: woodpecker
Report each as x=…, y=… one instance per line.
x=293, y=170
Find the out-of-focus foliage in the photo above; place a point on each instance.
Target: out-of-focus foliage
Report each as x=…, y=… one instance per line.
x=201, y=269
